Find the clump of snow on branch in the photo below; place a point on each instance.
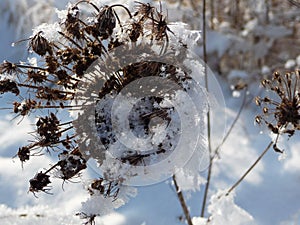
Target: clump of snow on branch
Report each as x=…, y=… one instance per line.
x=223, y=210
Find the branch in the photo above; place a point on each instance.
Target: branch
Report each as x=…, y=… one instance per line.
x=182, y=202
x=217, y=150
x=251, y=167
x=208, y=113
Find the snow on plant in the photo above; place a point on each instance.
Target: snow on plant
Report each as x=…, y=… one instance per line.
x=135, y=90
x=225, y=211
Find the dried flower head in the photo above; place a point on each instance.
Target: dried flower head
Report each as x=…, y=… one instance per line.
x=70, y=163
x=40, y=45
x=40, y=183
x=281, y=111
x=103, y=187
x=8, y=67
x=24, y=153
x=8, y=85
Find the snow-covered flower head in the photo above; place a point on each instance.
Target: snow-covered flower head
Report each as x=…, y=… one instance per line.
x=133, y=85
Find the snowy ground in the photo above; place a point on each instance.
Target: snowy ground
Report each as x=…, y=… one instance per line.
x=270, y=193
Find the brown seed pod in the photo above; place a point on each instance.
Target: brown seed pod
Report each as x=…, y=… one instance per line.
x=40, y=45
x=8, y=85
x=40, y=183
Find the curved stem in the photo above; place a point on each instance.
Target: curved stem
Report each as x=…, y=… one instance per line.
x=250, y=168
x=88, y=2
x=122, y=6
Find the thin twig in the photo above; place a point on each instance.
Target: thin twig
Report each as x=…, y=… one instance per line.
x=182, y=202
x=208, y=113
x=216, y=152
x=212, y=14
x=251, y=167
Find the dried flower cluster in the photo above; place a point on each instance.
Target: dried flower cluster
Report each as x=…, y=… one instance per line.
x=281, y=112
x=81, y=38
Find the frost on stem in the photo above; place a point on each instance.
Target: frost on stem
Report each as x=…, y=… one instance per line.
x=281, y=111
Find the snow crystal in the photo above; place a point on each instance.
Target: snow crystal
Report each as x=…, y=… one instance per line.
x=282, y=156
x=190, y=37
x=199, y=221
x=97, y=205
x=124, y=195
x=49, y=31
x=188, y=181
x=32, y=61
x=61, y=14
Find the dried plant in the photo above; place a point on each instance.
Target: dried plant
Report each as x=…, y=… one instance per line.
x=281, y=112
x=74, y=45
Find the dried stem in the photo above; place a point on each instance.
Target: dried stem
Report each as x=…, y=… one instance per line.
x=182, y=202
x=212, y=14
x=216, y=152
x=250, y=168
x=208, y=113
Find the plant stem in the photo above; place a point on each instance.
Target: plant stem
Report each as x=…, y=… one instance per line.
x=217, y=150
x=208, y=113
x=251, y=167
x=206, y=187
x=182, y=202
x=212, y=14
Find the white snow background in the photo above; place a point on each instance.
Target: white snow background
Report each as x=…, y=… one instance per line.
x=269, y=195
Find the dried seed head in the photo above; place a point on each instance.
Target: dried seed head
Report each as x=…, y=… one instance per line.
x=104, y=187
x=106, y=22
x=47, y=129
x=71, y=163
x=23, y=154
x=39, y=183
x=145, y=10
x=72, y=23
x=9, y=68
x=8, y=85
x=40, y=45
x=36, y=76
x=285, y=109
x=25, y=107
